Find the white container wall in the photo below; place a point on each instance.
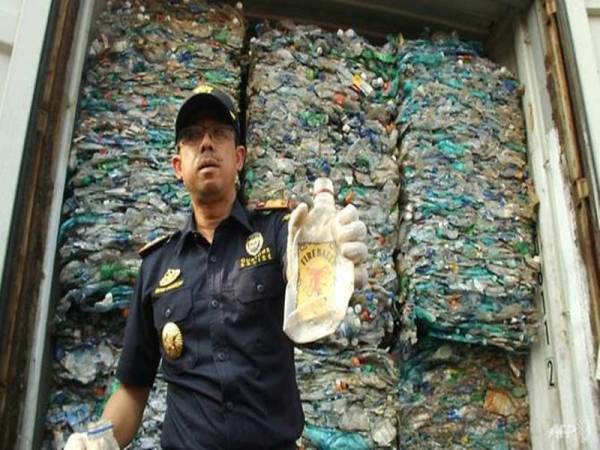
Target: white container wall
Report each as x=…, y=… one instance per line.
x=593, y=10
x=22, y=31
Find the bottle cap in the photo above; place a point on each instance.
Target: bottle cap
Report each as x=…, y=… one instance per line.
x=322, y=185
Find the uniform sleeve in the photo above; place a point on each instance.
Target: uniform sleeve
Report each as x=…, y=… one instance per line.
x=281, y=235
x=141, y=353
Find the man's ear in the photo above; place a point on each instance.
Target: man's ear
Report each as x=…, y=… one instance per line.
x=240, y=157
x=176, y=164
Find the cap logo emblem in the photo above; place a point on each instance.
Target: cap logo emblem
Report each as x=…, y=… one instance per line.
x=203, y=89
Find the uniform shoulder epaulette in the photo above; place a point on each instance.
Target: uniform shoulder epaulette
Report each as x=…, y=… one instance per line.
x=154, y=244
x=272, y=205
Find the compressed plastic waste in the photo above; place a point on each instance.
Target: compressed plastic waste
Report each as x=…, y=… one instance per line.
x=426, y=130
x=348, y=397
x=144, y=59
x=460, y=396
x=468, y=258
x=320, y=104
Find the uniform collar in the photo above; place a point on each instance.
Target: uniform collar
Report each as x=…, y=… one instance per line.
x=238, y=212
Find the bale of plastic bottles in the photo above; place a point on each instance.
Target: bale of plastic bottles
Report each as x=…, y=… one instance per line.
x=320, y=104
x=467, y=256
x=144, y=59
x=425, y=137
x=461, y=396
x=349, y=397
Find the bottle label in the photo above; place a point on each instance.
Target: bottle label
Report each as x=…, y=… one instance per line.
x=316, y=278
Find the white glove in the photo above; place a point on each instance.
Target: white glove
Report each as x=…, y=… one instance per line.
x=77, y=441
x=349, y=232
x=100, y=438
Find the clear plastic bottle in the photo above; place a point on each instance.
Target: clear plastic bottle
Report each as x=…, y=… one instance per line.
x=100, y=436
x=321, y=279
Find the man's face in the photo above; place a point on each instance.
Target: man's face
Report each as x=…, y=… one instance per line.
x=208, y=160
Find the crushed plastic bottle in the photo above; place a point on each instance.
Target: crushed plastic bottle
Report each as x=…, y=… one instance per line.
x=321, y=279
x=331, y=439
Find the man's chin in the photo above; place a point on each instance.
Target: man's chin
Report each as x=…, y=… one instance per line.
x=211, y=192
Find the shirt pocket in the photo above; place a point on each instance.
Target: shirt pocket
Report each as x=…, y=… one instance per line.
x=172, y=307
x=259, y=314
x=259, y=283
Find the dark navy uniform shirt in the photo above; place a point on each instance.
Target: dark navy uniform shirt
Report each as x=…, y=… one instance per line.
x=234, y=386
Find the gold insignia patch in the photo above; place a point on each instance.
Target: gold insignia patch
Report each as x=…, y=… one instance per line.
x=263, y=255
x=170, y=287
x=169, y=277
x=170, y=280
x=172, y=340
x=278, y=203
x=203, y=89
x=254, y=243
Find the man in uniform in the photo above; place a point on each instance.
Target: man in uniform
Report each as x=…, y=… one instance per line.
x=209, y=302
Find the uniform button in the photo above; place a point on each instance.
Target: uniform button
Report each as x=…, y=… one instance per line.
x=260, y=288
x=221, y=356
x=168, y=313
x=214, y=304
x=213, y=258
x=230, y=405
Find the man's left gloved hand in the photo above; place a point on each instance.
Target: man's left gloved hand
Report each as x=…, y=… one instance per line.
x=349, y=232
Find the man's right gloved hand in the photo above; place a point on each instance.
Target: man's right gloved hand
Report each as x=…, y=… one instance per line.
x=100, y=437
x=350, y=234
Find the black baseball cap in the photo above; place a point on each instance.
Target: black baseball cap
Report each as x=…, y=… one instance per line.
x=207, y=98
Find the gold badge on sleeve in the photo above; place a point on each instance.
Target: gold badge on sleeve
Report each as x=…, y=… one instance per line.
x=172, y=340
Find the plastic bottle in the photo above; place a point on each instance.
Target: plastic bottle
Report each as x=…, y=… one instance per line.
x=100, y=436
x=321, y=279
x=331, y=439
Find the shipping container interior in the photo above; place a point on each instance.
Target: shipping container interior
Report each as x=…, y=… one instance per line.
x=563, y=410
